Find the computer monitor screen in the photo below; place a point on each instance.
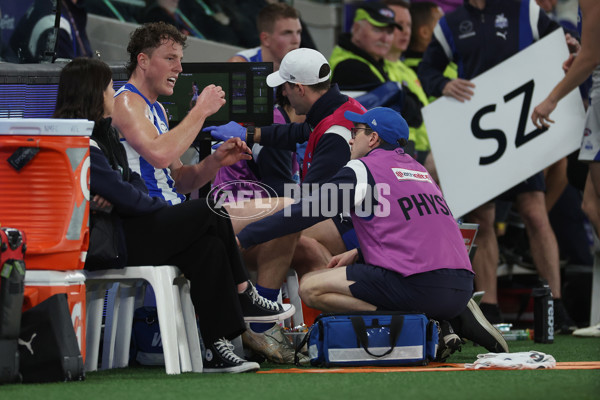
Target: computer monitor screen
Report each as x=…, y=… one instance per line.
x=249, y=100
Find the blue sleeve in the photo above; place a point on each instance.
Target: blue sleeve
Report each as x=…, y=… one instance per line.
x=331, y=154
x=284, y=136
x=305, y=212
x=431, y=69
x=127, y=199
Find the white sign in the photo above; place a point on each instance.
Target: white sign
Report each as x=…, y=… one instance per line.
x=487, y=145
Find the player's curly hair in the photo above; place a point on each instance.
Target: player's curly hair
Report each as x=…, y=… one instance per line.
x=148, y=37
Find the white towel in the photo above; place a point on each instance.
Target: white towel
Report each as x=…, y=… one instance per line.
x=523, y=360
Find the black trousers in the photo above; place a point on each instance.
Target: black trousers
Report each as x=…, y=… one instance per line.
x=202, y=244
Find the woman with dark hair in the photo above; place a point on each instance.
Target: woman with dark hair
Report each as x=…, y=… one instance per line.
x=189, y=235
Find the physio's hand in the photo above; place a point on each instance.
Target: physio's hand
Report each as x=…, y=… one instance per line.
x=232, y=151
x=460, y=89
x=541, y=114
x=230, y=130
x=210, y=100
x=343, y=259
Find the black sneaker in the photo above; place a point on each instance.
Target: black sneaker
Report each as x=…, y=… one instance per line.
x=449, y=342
x=219, y=357
x=258, y=309
x=563, y=324
x=471, y=324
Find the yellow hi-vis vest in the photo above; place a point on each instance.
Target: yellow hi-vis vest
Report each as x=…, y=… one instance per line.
x=400, y=72
x=339, y=54
x=451, y=71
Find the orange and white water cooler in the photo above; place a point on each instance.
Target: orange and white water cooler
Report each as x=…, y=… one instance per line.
x=44, y=191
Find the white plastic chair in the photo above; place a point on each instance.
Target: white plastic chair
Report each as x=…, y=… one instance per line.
x=177, y=318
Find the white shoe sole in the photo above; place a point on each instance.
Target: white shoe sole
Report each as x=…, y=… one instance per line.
x=288, y=311
x=482, y=320
x=248, y=366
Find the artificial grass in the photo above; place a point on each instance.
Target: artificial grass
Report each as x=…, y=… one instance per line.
x=153, y=383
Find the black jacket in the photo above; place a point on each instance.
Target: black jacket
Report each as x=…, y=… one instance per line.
x=111, y=177
x=477, y=40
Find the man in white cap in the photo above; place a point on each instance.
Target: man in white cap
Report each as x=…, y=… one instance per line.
x=305, y=77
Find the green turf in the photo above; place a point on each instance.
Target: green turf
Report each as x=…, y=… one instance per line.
x=152, y=383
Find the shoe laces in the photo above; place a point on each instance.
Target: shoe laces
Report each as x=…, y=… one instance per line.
x=261, y=301
x=225, y=348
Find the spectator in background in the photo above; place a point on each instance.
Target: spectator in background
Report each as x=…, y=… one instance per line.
x=425, y=16
x=478, y=52
x=31, y=38
x=279, y=31
x=399, y=72
x=358, y=61
x=167, y=12
x=209, y=17
x=244, y=20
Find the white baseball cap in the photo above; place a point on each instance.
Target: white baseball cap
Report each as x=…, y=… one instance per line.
x=299, y=66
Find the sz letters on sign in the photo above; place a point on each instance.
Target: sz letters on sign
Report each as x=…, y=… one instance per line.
x=487, y=145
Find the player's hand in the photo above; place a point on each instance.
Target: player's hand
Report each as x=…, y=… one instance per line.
x=460, y=89
x=232, y=151
x=343, y=259
x=224, y=132
x=210, y=100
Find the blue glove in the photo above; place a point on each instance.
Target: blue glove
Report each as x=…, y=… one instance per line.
x=223, y=132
